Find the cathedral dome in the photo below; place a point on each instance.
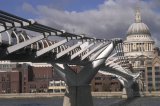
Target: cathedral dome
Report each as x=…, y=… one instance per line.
x=138, y=27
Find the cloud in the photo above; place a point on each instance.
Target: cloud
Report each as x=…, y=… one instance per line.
x=28, y=7
x=110, y=19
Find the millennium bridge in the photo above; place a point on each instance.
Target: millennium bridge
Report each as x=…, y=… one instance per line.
x=26, y=40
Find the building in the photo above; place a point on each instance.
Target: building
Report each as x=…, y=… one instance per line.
x=24, y=77
x=139, y=46
x=138, y=42
x=152, y=72
x=9, y=82
x=103, y=83
x=36, y=77
x=57, y=86
x=9, y=78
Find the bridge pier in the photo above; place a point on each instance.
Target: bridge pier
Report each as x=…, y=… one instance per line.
x=79, y=91
x=78, y=96
x=130, y=90
x=127, y=93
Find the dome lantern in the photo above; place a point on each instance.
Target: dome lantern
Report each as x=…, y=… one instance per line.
x=138, y=18
x=138, y=27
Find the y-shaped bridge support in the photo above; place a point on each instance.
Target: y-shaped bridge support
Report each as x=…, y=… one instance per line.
x=129, y=91
x=125, y=76
x=79, y=91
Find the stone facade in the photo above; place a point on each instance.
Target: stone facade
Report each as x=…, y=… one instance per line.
x=152, y=73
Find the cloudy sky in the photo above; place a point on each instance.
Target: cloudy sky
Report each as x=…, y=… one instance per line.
x=96, y=18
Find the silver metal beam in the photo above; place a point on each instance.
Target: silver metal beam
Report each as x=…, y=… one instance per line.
x=17, y=39
x=79, y=52
x=0, y=38
x=47, y=49
x=9, y=37
x=24, y=44
x=98, y=51
x=92, y=51
x=103, y=55
x=67, y=50
x=2, y=28
x=24, y=39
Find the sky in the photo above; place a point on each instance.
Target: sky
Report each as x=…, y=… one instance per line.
x=96, y=18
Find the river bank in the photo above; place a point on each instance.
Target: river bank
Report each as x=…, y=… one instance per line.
x=94, y=94
x=49, y=95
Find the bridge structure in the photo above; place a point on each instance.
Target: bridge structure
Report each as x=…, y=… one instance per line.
x=118, y=65
x=29, y=41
